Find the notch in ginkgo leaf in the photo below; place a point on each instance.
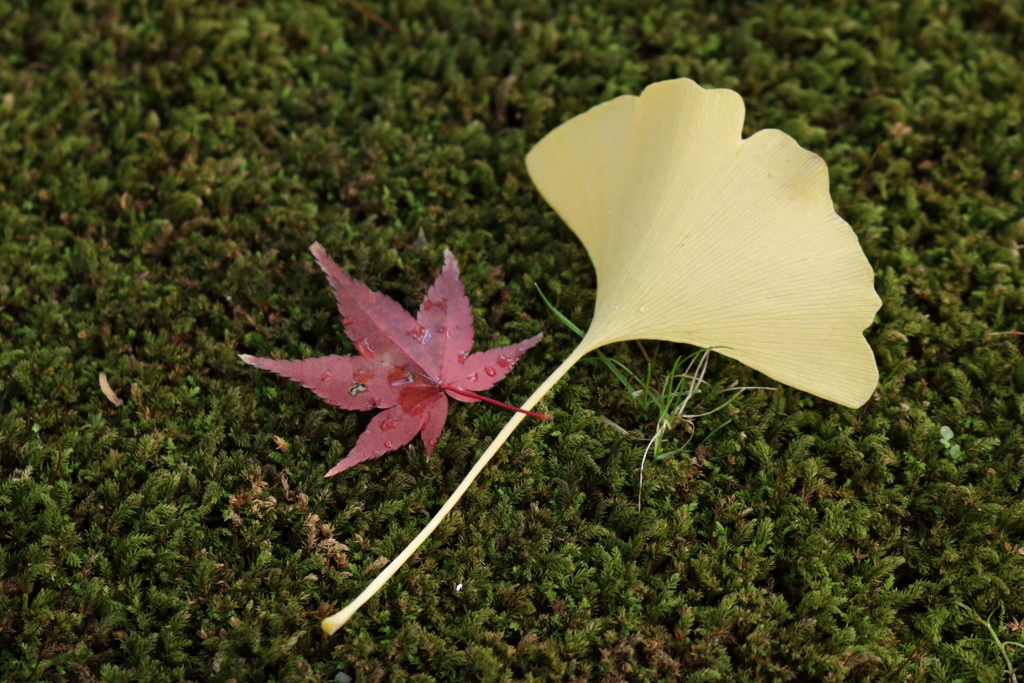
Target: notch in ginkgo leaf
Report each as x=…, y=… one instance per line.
x=701, y=237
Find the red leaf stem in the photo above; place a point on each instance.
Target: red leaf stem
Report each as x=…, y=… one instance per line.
x=547, y=417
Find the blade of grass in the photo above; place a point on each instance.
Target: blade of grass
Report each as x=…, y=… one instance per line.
x=609, y=362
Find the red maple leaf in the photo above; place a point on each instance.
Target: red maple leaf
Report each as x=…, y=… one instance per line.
x=406, y=366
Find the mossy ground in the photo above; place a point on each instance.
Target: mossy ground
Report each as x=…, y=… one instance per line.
x=164, y=167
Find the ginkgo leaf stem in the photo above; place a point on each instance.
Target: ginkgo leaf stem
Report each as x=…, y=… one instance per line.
x=472, y=394
x=337, y=620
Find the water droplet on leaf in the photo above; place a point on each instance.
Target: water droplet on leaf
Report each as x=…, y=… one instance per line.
x=363, y=347
x=489, y=371
x=421, y=335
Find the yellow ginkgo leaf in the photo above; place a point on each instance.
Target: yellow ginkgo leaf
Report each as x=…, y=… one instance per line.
x=699, y=236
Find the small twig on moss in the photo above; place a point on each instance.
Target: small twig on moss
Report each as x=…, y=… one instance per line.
x=501, y=96
x=643, y=352
x=992, y=334
x=108, y=391
x=864, y=175
x=617, y=427
x=373, y=16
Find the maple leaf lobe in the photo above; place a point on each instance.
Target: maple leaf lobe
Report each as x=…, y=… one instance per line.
x=407, y=366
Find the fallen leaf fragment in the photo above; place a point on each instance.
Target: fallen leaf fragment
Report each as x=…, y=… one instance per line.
x=107, y=391
x=407, y=367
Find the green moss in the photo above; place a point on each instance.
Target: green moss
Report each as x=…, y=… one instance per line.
x=165, y=165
